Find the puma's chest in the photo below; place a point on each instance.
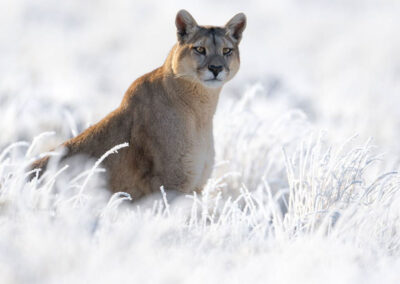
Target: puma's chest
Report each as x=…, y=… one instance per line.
x=200, y=147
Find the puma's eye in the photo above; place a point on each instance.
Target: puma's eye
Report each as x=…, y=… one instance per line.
x=226, y=50
x=200, y=49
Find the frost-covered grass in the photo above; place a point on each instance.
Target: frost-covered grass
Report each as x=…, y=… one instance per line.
x=295, y=196
x=337, y=227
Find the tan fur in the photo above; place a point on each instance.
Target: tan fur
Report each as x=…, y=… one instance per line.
x=166, y=116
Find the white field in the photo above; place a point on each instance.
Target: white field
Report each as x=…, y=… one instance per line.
x=314, y=113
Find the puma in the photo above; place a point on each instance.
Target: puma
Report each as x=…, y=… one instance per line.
x=166, y=115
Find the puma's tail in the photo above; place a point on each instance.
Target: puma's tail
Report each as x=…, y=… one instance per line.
x=40, y=165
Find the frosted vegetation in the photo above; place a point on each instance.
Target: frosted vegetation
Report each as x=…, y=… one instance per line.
x=305, y=187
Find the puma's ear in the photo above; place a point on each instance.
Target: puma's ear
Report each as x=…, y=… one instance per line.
x=185, y=25
x=236, y=26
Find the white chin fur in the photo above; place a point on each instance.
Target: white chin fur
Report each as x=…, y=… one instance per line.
x=213, y=83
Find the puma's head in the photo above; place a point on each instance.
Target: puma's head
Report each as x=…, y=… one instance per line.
x=207, y=54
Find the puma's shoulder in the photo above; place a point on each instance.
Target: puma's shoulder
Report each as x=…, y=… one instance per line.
x=145, y=87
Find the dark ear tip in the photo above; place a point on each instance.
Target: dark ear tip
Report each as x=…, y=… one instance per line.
x=242, y=18
x=182, y=11
x=179, y=20
x=184, y=17
x=242, y=15
x=239, y=19
x=183, y=14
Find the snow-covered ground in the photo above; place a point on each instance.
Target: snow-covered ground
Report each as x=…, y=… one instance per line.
x=313, y=114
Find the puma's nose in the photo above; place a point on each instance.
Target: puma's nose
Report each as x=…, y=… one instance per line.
x=215, y=69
